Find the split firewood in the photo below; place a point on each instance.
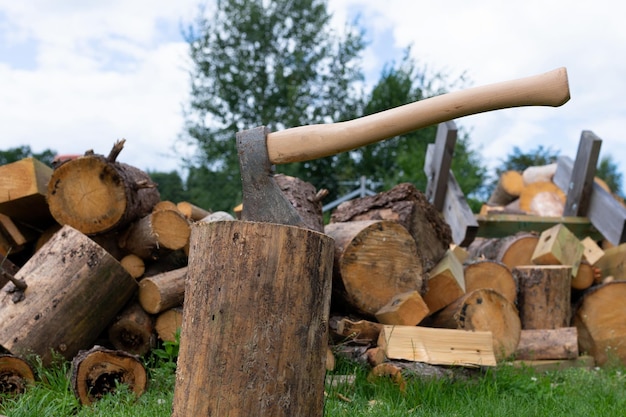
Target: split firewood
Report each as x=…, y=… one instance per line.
x=134, y=265
x=539, y=173
x=460, y=252
x=160, y=232
x=96, y=194
x=541, y=344
x=15, y=375
x=592, y=251
x=407, y=309
x=99, y=371
x=191, y=211
x=486, y=273
x=23, y=190
x=408, y=206
x=168, y=323
x=599, y=319
x=544, y=296
x=374, y=260
x=445, y=283
x=558, y=246
x=508, y=188
x=163, y=291
x=75, y=288
x=511, y=250
x=542, y=198
x=483, y=310
x=133, y=330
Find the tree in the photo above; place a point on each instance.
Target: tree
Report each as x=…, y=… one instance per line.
x=21, y=152
x=171, y=187
x=270, y=62
x=607, y=170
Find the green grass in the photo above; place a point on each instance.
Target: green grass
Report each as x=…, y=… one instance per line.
x=503, y=391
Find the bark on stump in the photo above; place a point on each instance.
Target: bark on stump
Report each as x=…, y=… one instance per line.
x=255, y=321
x=544, y=296
x=15, y=375
x=374, y=261
x=75, y=288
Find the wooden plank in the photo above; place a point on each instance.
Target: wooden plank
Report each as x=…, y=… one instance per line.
x=581, y=181
x=501, y=225
x=438, y=346
x=606, y=214
x=440, y=163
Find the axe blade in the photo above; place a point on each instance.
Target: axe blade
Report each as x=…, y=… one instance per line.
x=263, y=200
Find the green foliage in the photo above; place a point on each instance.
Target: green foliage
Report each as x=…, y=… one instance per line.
x=518, y=160
x=21, y=152
x=170, y=185
x=607, y=170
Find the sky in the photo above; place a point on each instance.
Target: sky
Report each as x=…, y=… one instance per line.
x=77, y=75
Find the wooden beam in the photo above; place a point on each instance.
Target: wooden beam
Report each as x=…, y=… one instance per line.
x=581, y=181
x=501, y=225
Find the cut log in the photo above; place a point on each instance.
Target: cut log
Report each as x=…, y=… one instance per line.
x=544, y=296
x=191, y=211
x=255, y=321
x=405, y=309
x=558, y=246
x=586, y=276
x=539, y=173
x=99, y=371
x=160, y=232
x=75, y=288
x=599, y=319
x=484, y=310
x=408, y=206
x=23, y=189
x=134, y=265
x=133, y=330
x=512, y=250
x=541, y=344
x=305, y=198
x=486, y=273
x=96, y=194
x=374, y=260
x=445, y=283
x=460, y=252
x=509, y=187
x=542, y=198
x=15, y=375
x=163, y=291
x=168, y=324
x=438, y=346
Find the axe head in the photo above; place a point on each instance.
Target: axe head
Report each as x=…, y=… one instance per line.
x=263, y=201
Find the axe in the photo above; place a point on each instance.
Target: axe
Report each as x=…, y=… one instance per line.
x=259, y=150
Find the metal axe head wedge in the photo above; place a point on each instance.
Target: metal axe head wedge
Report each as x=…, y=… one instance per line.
x=259, y=149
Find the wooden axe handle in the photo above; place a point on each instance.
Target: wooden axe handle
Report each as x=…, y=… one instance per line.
x=305, y=143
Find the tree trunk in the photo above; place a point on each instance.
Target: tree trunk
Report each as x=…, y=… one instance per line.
x=95, y=194
x=163, y=291
x=544, y=296
x=15, y=375
x=133, y=330
x=255, y=322
x=542, y=344
x=599, y=319
x=484, y=309
x=98, y=371
x=485, y=273
x=374, y=261
x=75, y=288
x=168, y=323
x=408, y=206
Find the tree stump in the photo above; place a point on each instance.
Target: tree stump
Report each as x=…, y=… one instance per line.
x=75, y=288
x=484, y=309
x=15, y=375
x=374, y=261
x=255, y=321
x=544, y=296
x=96, y=194
x=98, y=372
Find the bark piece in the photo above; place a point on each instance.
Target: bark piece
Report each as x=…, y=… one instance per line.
x=98, y=372
x=438, y=346
x=255, y=321
x=75, y=288
x=23, y=190
x=484, y=310
x=374, y=260
x=15, y=374
x=95, y=194
x=512, y=250
x=408, y=206
x=406, y=309
x=133, y=330
x=509, y=187
x=541, y=344
x=163, y=291
x=558, y=246
x=485, y=273
x=445, y=283
x=168, y=324
x=544, y=296
x=599, y=319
